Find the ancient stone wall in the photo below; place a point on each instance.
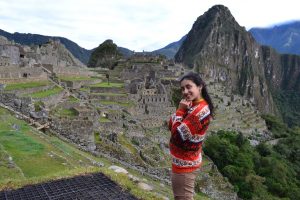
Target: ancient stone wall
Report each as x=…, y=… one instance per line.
x=130, y=74
x=157, y=98
x=79, y=131
x=4, y=61
x=109, y=127
x=12, y=52
x=71, y=71
x=72, y=84
x=32, y=90
x=53, y=99
x=106, y=90
x=115, y=116
x=152, y=122
x=116, y=98
x=7, y=73
x=20, y=104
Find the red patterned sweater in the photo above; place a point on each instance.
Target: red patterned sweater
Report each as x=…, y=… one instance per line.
x=188, y=128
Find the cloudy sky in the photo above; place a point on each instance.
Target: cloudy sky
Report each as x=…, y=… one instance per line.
x=134, y=24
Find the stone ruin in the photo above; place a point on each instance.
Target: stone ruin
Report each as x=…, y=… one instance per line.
x=153, y=104
x=25, y=63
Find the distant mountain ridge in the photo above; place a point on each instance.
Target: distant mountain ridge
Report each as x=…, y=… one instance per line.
x=171, y=49
x=27, y=39
x=79, y=52
x=284, y=38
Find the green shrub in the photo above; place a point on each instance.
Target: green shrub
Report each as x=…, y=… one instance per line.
x=260, y=172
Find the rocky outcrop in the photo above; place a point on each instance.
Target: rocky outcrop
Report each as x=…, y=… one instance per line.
x=281, y=71
x=4, y=40
x=211, y=182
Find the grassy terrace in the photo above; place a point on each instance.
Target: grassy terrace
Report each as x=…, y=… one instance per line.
x=169, y=78
x=73, y=99
x=76, y=78
x=66, y=112
x=45, y=93
x=84, y=89
x=124, y=104
x=30, y=157
x=127, y=144
x=105, y=84
x=25, y=85
x=110, y=94
x=104, y=119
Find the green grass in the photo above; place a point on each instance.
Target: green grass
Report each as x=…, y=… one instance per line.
x=29, y=153
x=45, y=93
x=66, y=112
x=76, y=78
x=25, y=85
x=38, y=105
x=124, y=104
x=84, y=89
x=105, y=84
x=7, y=168
x=35, y=156
x=168, y=78
x=127, y=144
x=110, y=94
x=73, y=99
x=104, y=119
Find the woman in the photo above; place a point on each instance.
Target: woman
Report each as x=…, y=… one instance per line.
x=188, y=126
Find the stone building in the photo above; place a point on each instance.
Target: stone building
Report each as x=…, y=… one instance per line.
x=153, y=105
x=142, y=57
x=11, y=53
x=4, y=61
x=85, y=112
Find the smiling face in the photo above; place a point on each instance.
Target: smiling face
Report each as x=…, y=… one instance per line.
x=190, y=90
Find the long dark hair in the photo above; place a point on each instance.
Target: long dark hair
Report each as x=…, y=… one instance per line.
x=199, y=82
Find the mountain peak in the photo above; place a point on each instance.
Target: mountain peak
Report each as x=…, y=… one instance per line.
x=221, y=9
x=218, y=11
x=208, y=29
x=217, y=15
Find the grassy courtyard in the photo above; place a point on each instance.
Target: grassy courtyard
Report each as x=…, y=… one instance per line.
x=106, y=84
x=45, y=93
x=20, y=86
x=76, y=78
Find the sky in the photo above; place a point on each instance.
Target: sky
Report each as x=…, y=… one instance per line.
x=135, y=24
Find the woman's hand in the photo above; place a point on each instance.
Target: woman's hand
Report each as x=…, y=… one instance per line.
x=184, y=104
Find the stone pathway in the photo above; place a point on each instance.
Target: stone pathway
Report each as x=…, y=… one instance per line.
x=91, y=186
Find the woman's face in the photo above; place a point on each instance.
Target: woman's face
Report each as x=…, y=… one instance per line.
x=190, y=90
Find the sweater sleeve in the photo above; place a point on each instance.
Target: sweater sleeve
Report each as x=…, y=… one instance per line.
x=193, y=127
x=176, y=118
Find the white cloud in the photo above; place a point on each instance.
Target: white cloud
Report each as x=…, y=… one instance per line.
x=135, y=24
